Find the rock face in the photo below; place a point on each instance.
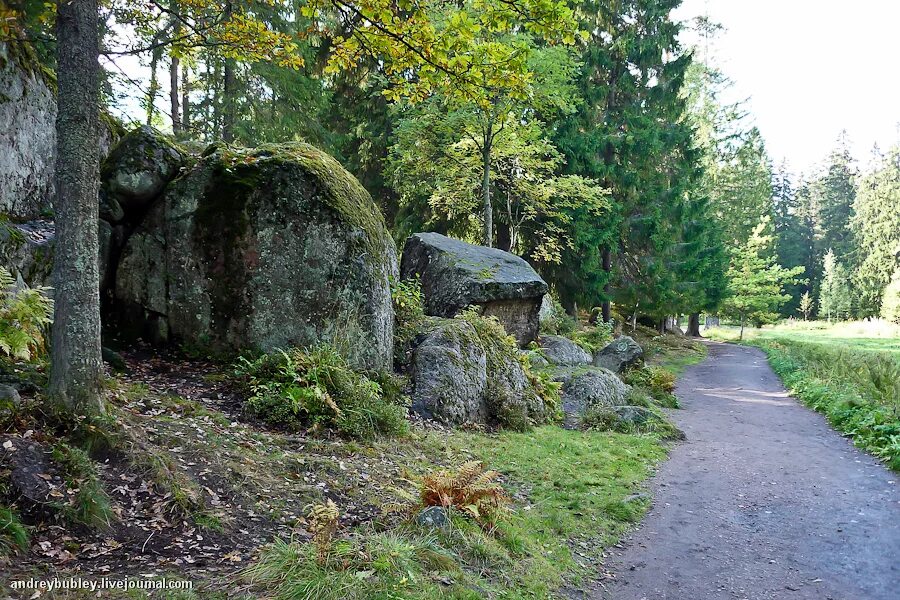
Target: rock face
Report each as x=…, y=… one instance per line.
x=455, y=274
x=28, y=134
x=619, y=354
x=263, y=249
x=27, y=251
x=137, y=170
x=563, y=352
x=460, y=377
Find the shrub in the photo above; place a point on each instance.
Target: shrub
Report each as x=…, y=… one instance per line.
x=13, y=535
x=316, y=388
x=657, y=381
x=558, y=322
x=470, y=489
x=24, y=314
x=594, y=338
x=409, y=315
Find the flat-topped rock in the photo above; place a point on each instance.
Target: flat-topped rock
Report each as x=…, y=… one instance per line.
x=455, y=274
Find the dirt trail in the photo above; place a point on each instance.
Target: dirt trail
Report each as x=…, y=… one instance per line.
x=764, y=500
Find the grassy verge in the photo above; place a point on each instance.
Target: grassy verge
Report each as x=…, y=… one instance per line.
x=574, y=493
x=856, y=388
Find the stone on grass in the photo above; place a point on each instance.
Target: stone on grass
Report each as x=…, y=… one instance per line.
x=449, y=374
x=455, y=275
x=433, y=517
x=620, y=354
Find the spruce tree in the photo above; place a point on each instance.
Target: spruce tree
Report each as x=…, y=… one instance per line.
x=834, y=299
x=876, y=228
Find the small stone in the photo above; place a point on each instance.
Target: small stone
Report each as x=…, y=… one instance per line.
x=435, y=517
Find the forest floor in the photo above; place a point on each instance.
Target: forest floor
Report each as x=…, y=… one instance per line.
x=763, y=501
x=198, y=492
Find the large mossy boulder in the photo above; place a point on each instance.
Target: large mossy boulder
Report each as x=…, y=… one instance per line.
x=455, y=275
x=136, y=172
x=260, y=249
x=449, y=374
x=588, y=388
x=620, y=354
x=561, y=351
x=467, y=370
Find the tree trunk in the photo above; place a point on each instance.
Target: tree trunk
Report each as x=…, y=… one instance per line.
x=185, y=96
x=174, y=98
x=741, y=336
x=504, y=237
x=487, y=208
x=76, y=364
x=228, y=90
x=693, y=328
x=153, y=89
x=605, y=308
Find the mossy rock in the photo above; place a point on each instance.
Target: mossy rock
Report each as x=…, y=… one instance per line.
x=138, y=169
x=267, y=248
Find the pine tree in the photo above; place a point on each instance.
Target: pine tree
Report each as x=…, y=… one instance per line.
x=790, y=245
x=834, y=299
x=876, y=228
x=756, y=281
x=834, y=192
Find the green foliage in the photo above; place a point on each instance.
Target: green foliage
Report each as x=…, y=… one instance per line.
x=756, y=280
x=890, y=302
x=24, y=315
x=316, y=388
x=806, y=306
x=558, y=322
x=657, y=381
x=858, y=391
x=90, y=505
x=409, y=315
x=876, y=231
x=594, y=337
x=835, y=302
x=13, y=534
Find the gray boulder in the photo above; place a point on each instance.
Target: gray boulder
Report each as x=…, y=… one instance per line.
x=261, y=249
x=137, y=170
x=449, y=374
x=563, y=352
x=455, y=274
x=589, y=388
x=458, y=377
x=620, y=354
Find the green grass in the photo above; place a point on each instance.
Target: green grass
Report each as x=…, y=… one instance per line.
x=576, y=492
x=853, y=380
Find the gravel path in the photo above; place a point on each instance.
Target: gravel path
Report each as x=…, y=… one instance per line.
x=763, y=501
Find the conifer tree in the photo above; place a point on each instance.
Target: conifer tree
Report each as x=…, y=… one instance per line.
x=834, y=298
x=876, y=228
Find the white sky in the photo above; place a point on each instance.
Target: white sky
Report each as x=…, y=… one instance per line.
x=811, y=68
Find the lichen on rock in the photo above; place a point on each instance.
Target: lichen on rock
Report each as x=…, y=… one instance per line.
x=267, y=248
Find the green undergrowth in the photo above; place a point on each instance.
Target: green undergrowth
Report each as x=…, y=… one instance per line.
x=575, y=493
x=317, y=388
x=857, y=390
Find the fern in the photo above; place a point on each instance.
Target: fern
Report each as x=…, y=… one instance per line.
x=24, y=315
x=470, y=488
